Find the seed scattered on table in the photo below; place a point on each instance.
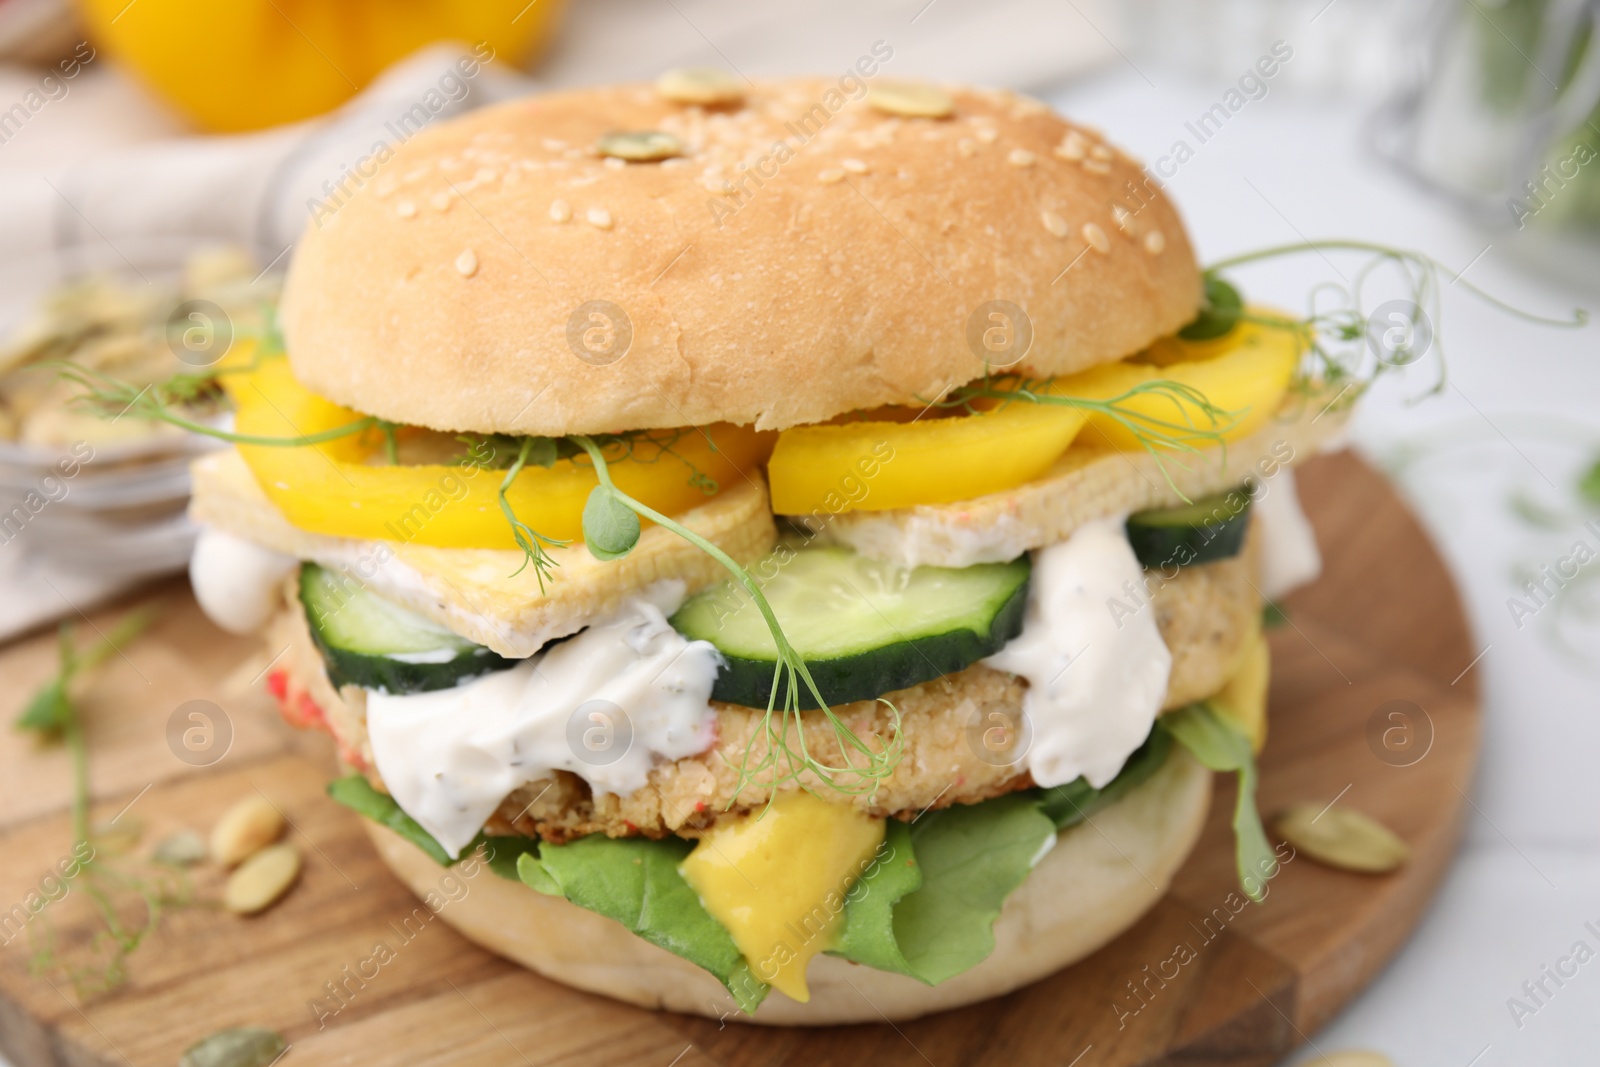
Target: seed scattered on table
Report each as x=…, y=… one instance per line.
x=250, y=825
x=182, y=849
x=262, y=880
x=1342, y=838
x=240, y=1046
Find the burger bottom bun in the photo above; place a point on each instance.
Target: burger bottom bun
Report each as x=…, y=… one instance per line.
x=1095, y=883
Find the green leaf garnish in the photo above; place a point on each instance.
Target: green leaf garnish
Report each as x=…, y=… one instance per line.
x=1220, y=313
x=1216, y=743
x=610, y=528
x=49, y=710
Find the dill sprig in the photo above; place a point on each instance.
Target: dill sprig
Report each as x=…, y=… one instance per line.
x=864, y=767
x=542, y=452
x=53, y=716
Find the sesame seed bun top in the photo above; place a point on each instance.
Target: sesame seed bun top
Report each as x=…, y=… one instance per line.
x=812, y=248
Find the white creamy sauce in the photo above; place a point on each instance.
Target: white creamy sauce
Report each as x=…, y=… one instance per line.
x=1289, y=555
x=236, y=581
x=607, y=705
x=1095, y=684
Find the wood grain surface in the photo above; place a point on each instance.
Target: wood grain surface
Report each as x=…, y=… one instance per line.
x=1384, y=624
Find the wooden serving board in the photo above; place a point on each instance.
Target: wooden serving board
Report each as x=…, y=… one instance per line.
x=1384, y=624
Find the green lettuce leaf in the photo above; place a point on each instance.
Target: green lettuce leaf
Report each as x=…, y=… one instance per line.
x=867, y=936
x=502, y=854
x=1218, y=744
x=970, y=858
x=925, y=907
x=357, y=794
x=635, y=881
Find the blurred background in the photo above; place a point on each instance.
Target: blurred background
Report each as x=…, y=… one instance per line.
x=158, y=159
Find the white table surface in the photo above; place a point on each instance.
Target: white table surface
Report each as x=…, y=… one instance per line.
x=1520, y=417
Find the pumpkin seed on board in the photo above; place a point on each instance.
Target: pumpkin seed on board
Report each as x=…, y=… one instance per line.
x=640, y=146
x=249, y=825
x=699, y=85
x=1342, y=838
x=261, y=880
x=916, y=100
x=241, y=1046
x=182, y=849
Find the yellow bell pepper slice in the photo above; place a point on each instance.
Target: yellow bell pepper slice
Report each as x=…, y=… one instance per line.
x=343, y=488
x=875, y=466
x=1245, y=372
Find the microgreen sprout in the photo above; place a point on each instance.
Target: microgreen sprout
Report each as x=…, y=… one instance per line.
x=1337, y=336
x=52, y=715
x=1196, y=421
x=115, y=398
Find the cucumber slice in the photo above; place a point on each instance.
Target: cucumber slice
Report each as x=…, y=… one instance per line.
x=371, y=642
x=1211, y=528
x=864, y=627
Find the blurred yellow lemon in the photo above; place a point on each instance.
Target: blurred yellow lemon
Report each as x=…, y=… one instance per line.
x=247, y=64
